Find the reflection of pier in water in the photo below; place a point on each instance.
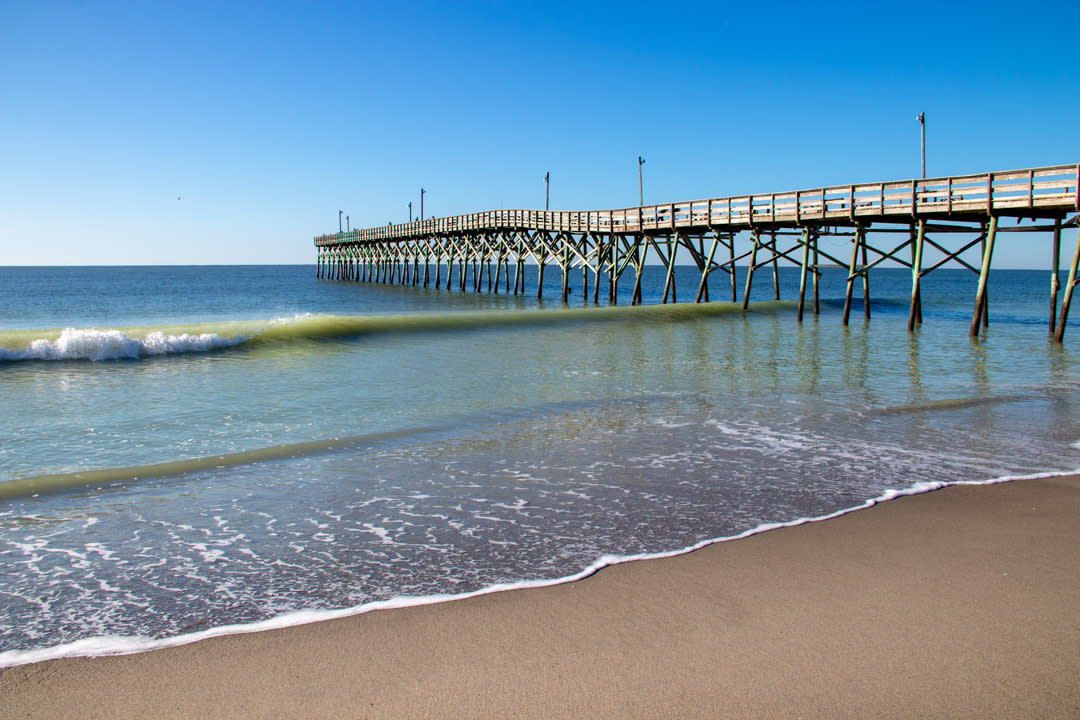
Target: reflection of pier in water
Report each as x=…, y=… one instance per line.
x=971, y=211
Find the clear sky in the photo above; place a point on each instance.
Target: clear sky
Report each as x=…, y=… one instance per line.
x=231, y=132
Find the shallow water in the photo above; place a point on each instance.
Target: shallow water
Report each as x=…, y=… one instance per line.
x=311, y=445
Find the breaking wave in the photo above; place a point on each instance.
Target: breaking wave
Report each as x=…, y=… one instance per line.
x=136, y=343
x=90, y=344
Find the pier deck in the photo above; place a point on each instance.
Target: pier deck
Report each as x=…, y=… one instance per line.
x=769, y=228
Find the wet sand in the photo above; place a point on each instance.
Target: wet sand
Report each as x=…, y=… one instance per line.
x=961, y=603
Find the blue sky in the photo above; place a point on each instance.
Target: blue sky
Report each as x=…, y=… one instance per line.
x=189, y=132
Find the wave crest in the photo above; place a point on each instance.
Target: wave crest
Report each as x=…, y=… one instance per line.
x=98, y=345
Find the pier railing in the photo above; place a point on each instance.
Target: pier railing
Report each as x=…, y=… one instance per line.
x=1039, y=190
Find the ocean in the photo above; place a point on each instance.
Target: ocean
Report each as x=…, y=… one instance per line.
x=191, y=451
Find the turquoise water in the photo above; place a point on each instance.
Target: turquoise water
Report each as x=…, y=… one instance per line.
x=199, y=449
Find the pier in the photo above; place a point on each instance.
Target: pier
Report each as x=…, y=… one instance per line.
x=920, y=224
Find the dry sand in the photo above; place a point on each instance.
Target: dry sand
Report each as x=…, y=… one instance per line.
x=961, y=603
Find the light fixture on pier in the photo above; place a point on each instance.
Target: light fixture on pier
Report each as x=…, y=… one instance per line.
x=922, y=128
x=640, y=192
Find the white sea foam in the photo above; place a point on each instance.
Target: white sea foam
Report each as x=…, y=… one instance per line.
x=125, y=645
x=98, y=345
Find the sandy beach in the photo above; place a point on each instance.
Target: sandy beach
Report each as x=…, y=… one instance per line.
x=960, y=603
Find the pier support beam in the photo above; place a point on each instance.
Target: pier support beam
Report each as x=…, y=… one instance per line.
x=1055, y=279
x=775, y=267
x=915, y=313
x=703, y=286
x=750, y=269
x=564, y=265
x=856, y=245
x=979, y=314
x=638, y=263
x=1059, y=334
x=805, y=269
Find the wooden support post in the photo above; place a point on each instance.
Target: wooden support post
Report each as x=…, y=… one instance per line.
x=855, y=243
x=517, y=263
x=669, y=277
x=704, y=264
x=1063, y=318
x=805, y=268
x=914, y=314
x=613, y=276
x=984, y=273
x=865, y=282
x=775, y=267
x=731, y=266
x=519, y=271
x=487, y=257
x=481, y=262
x=541, y=262
x=599, y=248
x=583, y=248
x=750, y=269
x=703, y=286
x=1055, y=279
x=817, y=276
x=564, y=264
x=635, y=297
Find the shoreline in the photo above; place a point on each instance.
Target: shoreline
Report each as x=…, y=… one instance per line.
x=961, y=602
x=108, y=646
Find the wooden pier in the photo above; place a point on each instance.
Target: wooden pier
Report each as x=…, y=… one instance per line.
x=902, y=223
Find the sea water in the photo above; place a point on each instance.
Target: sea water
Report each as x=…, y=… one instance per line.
x=188, y=451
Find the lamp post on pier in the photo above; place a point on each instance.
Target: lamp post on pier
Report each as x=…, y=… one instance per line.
x=422, y=191
x=640, y=191
x=410, y=211
x=922, y=132
x=547, y=190
x=346, y=223
x=339, y=214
